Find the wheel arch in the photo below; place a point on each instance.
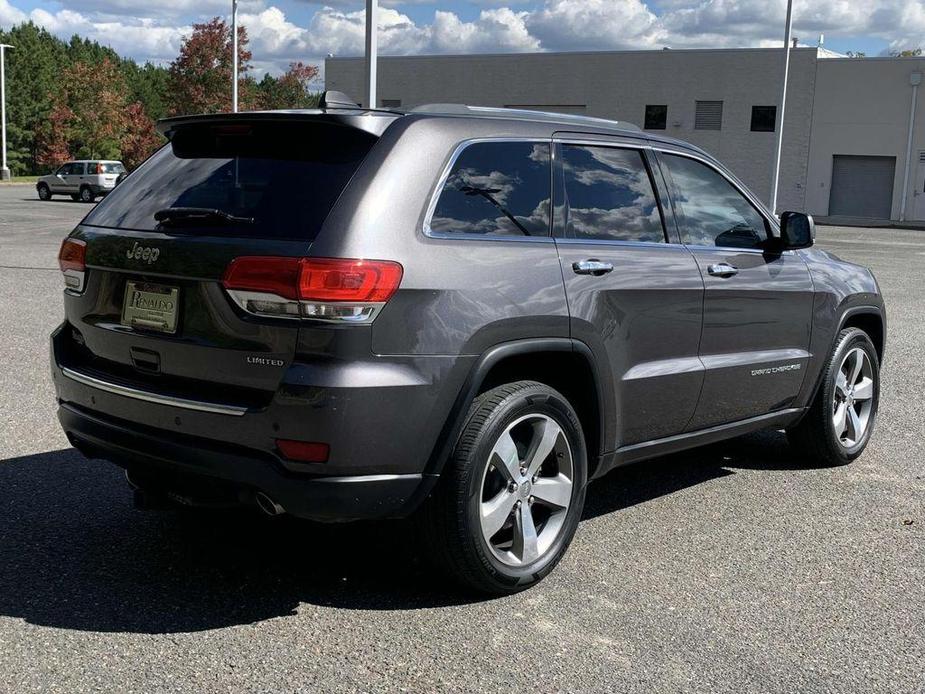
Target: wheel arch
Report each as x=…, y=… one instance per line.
x=870, y=320
x=561, y=363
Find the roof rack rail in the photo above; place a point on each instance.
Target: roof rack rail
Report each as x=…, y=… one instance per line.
x=500, y=112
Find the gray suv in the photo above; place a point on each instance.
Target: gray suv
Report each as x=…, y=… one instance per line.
x=456, y=313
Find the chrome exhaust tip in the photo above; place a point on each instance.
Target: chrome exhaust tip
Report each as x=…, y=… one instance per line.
x=268, y=506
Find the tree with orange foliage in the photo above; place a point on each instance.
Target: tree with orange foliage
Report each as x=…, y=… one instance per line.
x=53, y=146
x=200, y=77
x=140, y=139
x=87, y=114
x=91, y=119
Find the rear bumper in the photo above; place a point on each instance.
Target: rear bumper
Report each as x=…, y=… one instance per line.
x=149, y=452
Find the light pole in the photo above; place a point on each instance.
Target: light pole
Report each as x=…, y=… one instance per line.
x=372, y=50
x=234, y=56
x=775, y=180
x=4, y=170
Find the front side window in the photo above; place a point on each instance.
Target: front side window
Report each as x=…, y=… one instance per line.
x=609, y=195
x=496, y=189
x=713, y=211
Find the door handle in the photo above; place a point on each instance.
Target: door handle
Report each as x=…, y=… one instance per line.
x=592, y=267
x=722, y=270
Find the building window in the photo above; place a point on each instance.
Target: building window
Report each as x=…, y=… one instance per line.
x=709, y=115
x=763, y=119
x=656, y=117
x=391, y=103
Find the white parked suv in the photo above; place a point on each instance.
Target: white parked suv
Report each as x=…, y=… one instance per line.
x=82, y=180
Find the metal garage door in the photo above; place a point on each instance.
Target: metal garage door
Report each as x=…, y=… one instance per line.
x=862, y=186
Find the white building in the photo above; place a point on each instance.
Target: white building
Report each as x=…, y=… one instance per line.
x=846, y=130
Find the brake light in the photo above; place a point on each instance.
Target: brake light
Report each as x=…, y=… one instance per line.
x=99, y=168
x=337, y=279
x=72, y=259
x=331, y=289
x=278, y=276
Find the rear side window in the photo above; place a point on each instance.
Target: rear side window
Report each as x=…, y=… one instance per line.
x=273, y=180
x=110, y=168
x=496, y=189
x=609, y=195
x=713, y=211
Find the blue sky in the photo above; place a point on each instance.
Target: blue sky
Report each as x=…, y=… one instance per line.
x=286, y=30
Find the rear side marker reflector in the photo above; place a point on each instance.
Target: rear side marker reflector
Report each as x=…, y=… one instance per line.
x=329, y=289
x=72, y=259
x=303, y=451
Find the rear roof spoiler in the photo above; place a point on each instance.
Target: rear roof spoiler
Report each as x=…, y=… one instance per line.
x=371, y=122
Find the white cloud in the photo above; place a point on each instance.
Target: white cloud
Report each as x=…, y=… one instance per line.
x=141, y=39
x=9, y=15
x=594, y=24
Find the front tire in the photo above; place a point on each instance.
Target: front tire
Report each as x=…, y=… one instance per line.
x=44, y=192
x=838, y=425
x=509, y=500
x=86, y=194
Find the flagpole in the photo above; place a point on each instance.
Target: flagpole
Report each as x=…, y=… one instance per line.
x=775, y=181
x=372, y=51
x=234, y=56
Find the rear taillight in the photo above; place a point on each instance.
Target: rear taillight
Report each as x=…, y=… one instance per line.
x=72, y=259
x=330, y=289
x=99, y=169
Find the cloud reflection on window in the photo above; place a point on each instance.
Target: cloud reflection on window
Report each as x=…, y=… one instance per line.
x=496, y=189
x=610, y=195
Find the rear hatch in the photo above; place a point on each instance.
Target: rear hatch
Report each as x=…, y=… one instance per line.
x=152, y=310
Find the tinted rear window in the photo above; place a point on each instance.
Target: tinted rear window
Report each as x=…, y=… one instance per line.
x=110, y=168
x=496, y=189
x=284, y=178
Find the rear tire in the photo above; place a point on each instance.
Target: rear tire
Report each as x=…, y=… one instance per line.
x=44, y=192
x=86, y=194
x=509, y=500
x=838, y=425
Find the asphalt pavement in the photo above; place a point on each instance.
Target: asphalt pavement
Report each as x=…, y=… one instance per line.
x=734, y=568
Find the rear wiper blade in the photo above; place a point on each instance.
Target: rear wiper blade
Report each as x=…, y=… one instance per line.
x=170, y=214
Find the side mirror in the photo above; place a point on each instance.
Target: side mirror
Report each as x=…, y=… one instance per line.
x=797, y=230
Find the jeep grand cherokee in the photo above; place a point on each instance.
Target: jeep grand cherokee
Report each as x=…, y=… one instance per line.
x=459, y=313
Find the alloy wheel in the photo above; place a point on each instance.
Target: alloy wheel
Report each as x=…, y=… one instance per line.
x=853, y=398
x=526, y=490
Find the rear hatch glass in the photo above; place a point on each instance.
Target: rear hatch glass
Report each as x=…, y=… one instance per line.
x=262, y=180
